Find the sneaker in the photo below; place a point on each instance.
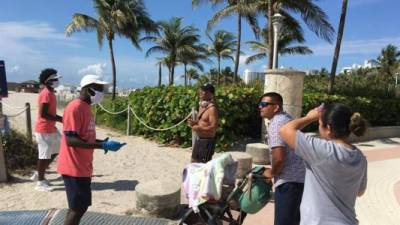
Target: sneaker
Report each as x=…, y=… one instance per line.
x=43, y=186
x=34, y=176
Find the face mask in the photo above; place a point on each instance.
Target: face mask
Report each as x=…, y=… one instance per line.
x=54, y=84
x=97, y=97
x=204, y=103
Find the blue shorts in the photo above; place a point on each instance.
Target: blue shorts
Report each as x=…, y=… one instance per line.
x=79, y=193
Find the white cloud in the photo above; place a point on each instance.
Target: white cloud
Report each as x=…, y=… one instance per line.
x=358, y=47
x=26, y=44
x=30, y=30
x=14, y=69
x=96, y=69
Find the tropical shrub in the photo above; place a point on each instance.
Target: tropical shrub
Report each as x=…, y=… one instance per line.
x=363, y=82
x=377, y=111
x=166, y=106
x=238, y=113
x=20, y=153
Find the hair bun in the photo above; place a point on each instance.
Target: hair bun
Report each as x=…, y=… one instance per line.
x=358, y=125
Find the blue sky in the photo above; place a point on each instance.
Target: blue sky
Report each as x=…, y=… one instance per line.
x=32, y=38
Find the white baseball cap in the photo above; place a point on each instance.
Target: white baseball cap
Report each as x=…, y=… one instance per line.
x=91, y=79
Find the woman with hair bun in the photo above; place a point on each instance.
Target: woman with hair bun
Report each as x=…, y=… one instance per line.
x=336, y=171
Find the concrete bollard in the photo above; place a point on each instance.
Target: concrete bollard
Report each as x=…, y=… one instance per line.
x=158, y=198
x=259, y=152
x=245, y=162
x=289, y=84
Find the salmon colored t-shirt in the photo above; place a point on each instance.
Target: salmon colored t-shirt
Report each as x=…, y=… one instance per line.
x=74, y=161
x=44, y=125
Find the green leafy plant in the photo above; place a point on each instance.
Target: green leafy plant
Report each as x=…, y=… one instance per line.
x=166, y=106
x=20, y=153
x=238, y=113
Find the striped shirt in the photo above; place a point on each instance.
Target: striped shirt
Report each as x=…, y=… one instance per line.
x=293, y=167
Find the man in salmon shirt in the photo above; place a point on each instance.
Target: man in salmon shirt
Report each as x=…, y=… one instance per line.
x=75, y=161
x=46, y=133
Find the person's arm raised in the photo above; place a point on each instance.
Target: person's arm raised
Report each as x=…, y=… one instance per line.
x=289, y=130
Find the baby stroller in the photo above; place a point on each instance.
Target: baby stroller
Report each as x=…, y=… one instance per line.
x=249, y=195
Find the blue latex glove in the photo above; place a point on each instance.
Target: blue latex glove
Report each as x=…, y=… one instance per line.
x=109, y=145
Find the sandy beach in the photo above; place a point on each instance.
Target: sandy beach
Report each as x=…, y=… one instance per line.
x=115, y=174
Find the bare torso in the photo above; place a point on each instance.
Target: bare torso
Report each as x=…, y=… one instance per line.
x=207, y=118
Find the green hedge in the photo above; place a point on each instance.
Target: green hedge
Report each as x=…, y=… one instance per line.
x=377, y=111
x=20, y=153
x=238, y=113
x=166, y=106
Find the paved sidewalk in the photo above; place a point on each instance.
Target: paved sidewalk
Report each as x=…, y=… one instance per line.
x=379, y=205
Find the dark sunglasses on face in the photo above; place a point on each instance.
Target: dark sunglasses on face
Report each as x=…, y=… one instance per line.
x=265, y=104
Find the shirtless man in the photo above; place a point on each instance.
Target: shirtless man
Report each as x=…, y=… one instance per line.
x=205, y=126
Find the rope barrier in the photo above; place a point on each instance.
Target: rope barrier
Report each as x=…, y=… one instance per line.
x=112, y=113
x=160, y=129
x=17, y=114
x=141, y=120
x=12, y=107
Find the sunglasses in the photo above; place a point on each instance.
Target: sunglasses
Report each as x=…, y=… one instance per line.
x=265, y=104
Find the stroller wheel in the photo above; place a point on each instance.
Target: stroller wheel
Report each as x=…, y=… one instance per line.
x=204, y=217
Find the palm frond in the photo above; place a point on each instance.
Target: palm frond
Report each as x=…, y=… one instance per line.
x=255, y=57
x=81, y=22
x=299, y=50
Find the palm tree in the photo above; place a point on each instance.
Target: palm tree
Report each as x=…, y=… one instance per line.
x=126, y=18
x=163, y=61
x=222, y=47
x=285, y=40
x=241, y=9
x=192, y=74
x=193, y=59
x=312, y=15
x=389, y=60
x=159, y=63
x=337, y=48
x=173, y=40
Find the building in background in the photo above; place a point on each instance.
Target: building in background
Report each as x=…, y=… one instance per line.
x=30, y=86
x=368, y=64
x=249, y=76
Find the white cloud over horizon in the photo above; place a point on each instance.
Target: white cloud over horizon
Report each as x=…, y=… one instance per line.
x=95, y=69
x=356, y=47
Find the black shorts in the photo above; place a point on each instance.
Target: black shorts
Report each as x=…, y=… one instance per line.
x=79, y=193
x=203, y=150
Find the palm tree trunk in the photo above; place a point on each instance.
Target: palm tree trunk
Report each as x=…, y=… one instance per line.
x=337, y=48
x=235, y=74
x=270, y=35
x=185, y=75
x=159, y=74
x=190, y=81
x=171, y=81
x=219, y=69
x=114, y=71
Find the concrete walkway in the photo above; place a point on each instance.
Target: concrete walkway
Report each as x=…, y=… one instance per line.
x=380, y=205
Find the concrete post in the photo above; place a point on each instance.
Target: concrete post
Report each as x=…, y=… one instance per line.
x=289, y=84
